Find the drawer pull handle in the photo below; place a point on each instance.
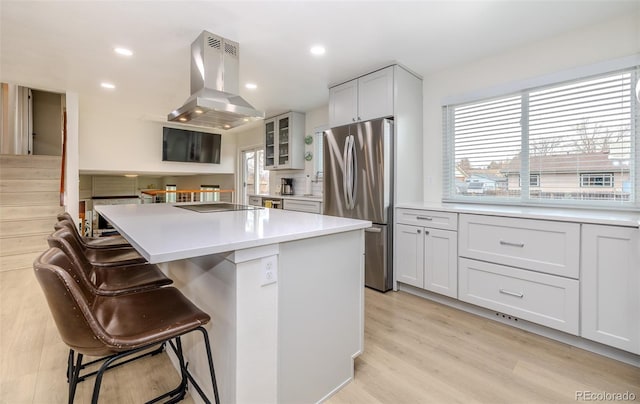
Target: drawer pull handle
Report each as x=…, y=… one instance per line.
x=516, y=294
x=511, y=244
x=424, y=218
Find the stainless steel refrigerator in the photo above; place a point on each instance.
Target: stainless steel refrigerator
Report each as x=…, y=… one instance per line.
x=358, y=184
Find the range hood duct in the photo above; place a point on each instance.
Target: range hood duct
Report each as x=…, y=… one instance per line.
x=214, y=85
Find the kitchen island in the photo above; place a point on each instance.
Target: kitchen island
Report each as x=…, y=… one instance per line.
x=284, y=290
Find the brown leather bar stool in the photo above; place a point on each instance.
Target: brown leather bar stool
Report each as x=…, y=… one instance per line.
x=102, y=257
x=93, y=242
x=118, y=327
x=110, y=281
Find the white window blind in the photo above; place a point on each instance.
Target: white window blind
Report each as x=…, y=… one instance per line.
x=578, y=139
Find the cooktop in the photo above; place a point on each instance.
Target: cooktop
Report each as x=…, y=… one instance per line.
x=216, y=207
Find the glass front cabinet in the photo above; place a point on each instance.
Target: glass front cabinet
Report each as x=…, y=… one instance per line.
x=284, y=142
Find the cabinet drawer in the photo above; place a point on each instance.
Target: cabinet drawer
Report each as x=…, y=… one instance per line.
x=539, y=245
x=428, y=218
x=255, y=201
x=302, y=206
x=552, y=301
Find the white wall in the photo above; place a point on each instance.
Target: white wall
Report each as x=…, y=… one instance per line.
x=72, y=176
x=597, y=43
x=118, y=138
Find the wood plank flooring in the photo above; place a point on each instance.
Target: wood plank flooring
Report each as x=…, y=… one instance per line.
x=416, y=351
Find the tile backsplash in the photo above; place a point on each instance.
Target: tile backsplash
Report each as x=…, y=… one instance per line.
x=299, y=180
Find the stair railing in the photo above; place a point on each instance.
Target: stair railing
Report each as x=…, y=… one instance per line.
x=64, y=156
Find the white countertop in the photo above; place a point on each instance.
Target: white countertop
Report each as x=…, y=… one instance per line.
x=608, y=217
x=163, y=232
x=315, y=198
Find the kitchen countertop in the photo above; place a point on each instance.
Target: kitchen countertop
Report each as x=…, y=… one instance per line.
x=315, y=198
x=593, y=216
x=164, y=232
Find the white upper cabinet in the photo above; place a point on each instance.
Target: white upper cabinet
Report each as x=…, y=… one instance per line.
x=362, y=99
x=343, y=103
x=284, y=142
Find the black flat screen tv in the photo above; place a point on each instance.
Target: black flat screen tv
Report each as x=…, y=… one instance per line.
x=190, y=146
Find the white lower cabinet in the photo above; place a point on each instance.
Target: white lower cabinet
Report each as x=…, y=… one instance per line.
x=427, y=258
x=610, y=286
x=409, y=254
x=553, y=301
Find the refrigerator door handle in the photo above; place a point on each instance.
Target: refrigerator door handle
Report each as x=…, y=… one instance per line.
x=373, y=230
x=345, y=177
x=354, y=173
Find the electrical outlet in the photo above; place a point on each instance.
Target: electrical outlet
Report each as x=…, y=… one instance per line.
x=269, y=270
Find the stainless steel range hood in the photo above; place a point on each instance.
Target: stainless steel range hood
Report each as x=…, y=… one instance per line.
x=214, y=86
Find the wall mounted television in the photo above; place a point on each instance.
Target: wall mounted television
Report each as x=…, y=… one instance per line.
x=190, y=146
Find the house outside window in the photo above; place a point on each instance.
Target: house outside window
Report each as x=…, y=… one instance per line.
x=578, y=142
x=596, y=180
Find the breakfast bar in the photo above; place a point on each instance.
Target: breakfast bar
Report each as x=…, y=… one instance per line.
x=285, y=291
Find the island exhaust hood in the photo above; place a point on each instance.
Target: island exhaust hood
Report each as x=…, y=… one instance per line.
x=214, y=86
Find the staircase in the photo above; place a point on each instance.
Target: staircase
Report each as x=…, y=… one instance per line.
x=29, y=203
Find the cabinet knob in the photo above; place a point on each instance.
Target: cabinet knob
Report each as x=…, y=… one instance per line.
x=419, y=231
x=353, y=119
x=359, y=118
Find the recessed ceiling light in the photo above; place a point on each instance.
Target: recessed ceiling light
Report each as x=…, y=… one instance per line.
x=123, y=51
x=197, y=111
x=107, y=85
x=227, y=126
x=318, y=50
x=182, y=119
x=246, y=119
x=131, y=175
x=251, y=86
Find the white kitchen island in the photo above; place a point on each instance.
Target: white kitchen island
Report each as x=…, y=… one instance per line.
x=288, y=335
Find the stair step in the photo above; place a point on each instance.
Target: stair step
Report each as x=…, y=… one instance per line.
x=29, y=212
x=13, y=228
x=23, y=244
x=29, y=173
x=29, y=198
x=19, y=160
x=35, y=185
x=18, y=261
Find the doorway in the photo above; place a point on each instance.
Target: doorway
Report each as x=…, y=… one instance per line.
x=255, y=179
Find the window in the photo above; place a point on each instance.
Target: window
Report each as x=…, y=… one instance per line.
x=568, y=138
x=255, y=179
x=596, y=180
x=534, y=180
x=209, y=194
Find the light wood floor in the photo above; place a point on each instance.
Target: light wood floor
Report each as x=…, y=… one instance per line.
x=416, y=351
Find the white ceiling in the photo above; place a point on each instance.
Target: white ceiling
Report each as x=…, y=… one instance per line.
x=64, y=45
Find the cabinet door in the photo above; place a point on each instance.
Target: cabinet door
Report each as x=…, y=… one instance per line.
x=375, y=95
x=441, y=261
x=270, y=143
x=409, y=255
x=343, y=104
x=283, y=136
x=610, y=281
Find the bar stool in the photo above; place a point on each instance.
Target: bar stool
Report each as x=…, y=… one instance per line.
x=117, y=327
x=93, y=242
x=101, y=257
x=110, y=281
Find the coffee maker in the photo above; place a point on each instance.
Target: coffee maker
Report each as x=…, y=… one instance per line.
x=286, y=186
